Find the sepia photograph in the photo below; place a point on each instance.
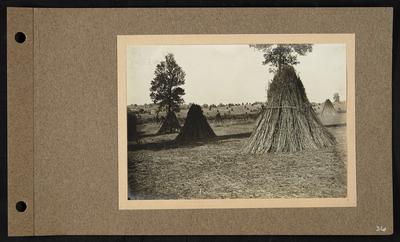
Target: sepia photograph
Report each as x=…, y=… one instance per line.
x=236, y=121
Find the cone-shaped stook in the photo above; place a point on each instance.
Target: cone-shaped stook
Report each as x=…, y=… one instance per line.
x=170, y=124
x=288, y=122
x=196, y=126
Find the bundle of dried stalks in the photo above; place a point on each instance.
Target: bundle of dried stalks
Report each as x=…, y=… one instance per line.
x=288, y=122
x=328, y=110
x=170, y=124
x=133, y=134
x=196, y=126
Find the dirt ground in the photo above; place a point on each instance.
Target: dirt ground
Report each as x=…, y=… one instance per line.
x=218, y=168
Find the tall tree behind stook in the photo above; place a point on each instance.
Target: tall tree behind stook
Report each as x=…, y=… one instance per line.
x=165, y=91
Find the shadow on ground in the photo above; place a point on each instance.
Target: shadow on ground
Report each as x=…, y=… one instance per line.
x=171, y=144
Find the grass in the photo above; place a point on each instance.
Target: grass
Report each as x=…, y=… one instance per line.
x=218, y=169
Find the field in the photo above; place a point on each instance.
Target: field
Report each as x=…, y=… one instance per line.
x=147, y=113
x=159, y=169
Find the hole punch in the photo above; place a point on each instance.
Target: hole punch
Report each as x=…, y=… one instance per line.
x=20, y=37
x=21, y=206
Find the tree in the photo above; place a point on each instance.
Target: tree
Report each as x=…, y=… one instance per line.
x=336, y=97
x=165, y=90
x=166, y=93
x=282, y=54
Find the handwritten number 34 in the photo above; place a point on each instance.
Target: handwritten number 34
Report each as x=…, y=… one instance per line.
x=380, y=229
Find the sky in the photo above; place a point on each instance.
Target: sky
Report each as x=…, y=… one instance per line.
x=233, y=73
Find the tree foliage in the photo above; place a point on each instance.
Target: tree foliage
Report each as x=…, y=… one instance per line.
x=336, y=97
x=278, y=55
x=165, y=87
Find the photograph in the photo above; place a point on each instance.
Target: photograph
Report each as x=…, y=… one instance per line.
x=236, y=121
